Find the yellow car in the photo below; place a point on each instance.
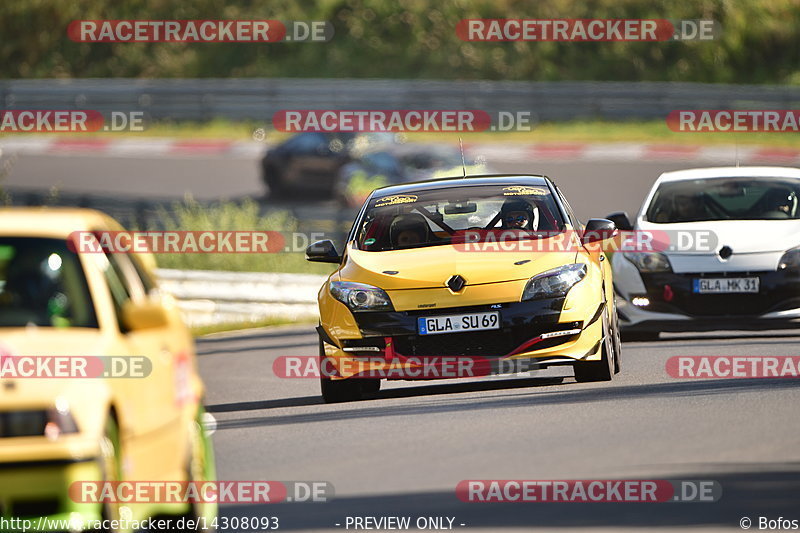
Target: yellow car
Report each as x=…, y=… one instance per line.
x=55, y=432
x=496, y=270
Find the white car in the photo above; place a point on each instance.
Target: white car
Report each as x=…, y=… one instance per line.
x=727, y=253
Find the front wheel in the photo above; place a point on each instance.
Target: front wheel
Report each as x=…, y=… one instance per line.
x=602, y=370
x=274, y=180
x=111, y=470
x=201, y=468
x=617, y=344
x=337, y=390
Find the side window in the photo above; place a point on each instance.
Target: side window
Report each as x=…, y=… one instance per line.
x=574, y=220
x=144, y=277
x=120, y=292
x=125, y=282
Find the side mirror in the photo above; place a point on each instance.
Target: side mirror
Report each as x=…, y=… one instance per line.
x=598, y=229
x=620, y=218
x=144, y=315
x=323, y=252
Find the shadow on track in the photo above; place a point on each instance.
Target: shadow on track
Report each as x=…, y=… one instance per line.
x=769, y=490
x=527, y=399
x=425, y=390
x=763, y=336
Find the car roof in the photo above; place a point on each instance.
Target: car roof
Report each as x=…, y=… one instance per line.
x=729, y=172
x=459, y=181
x=57, y=222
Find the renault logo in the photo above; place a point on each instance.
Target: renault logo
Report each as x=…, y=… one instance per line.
x=456, y=283
x=725, y=252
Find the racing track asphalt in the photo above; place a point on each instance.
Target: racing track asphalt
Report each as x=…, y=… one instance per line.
x=403, y=453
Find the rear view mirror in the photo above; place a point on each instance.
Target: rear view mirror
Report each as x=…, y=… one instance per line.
x=598, y=229
x=460, y=208
x=621, y=220
x=323, y=252
x=144, y=315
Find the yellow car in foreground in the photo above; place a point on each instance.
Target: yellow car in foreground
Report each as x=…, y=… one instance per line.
x=463, y=277
x=55, y=432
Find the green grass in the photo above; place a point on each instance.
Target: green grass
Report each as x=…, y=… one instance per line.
x=190, y=215
x=592, y=131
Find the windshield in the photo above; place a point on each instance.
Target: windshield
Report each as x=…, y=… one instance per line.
x=441, y=216
x=42, y=283
x=725, y=199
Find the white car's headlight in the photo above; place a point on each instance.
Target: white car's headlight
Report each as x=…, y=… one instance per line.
x=360, y=297
x=791, y=259
x=649, y=261
x=554, y=283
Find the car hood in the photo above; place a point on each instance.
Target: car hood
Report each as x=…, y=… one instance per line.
x=742, y=236
x=33, y=341
x=431, y=267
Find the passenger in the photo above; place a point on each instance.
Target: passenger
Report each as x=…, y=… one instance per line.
x=408, y=231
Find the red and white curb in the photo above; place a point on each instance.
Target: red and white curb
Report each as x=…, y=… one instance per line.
x=490, y=152
x=727, y=154
x=130, y=147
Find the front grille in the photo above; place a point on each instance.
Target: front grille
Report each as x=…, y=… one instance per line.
x=32, y=508
x=772, y=292
x=495, y=343
x=476, y=343
x=722, y=304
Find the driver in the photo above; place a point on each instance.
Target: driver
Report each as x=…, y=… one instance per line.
x=517, y=214
x=689, y=208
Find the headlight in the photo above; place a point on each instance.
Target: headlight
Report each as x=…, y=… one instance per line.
x=649, y=261
x=360, y=297
x=790, y=259
x=554, y=283
x=50, y=423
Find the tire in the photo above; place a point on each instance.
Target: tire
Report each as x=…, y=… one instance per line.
x=370, y=386
x=602, y=370
x=639, y=336
x=617, y=344
x=339, y=390
x=110, y=467
x=201, y=468
x=272, y=178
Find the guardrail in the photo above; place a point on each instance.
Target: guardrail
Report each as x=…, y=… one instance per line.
x=257, y=99
x=208, y=297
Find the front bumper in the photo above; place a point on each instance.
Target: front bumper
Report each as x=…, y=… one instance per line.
x=673, y=306
x=35, y=496
x=531, y=336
